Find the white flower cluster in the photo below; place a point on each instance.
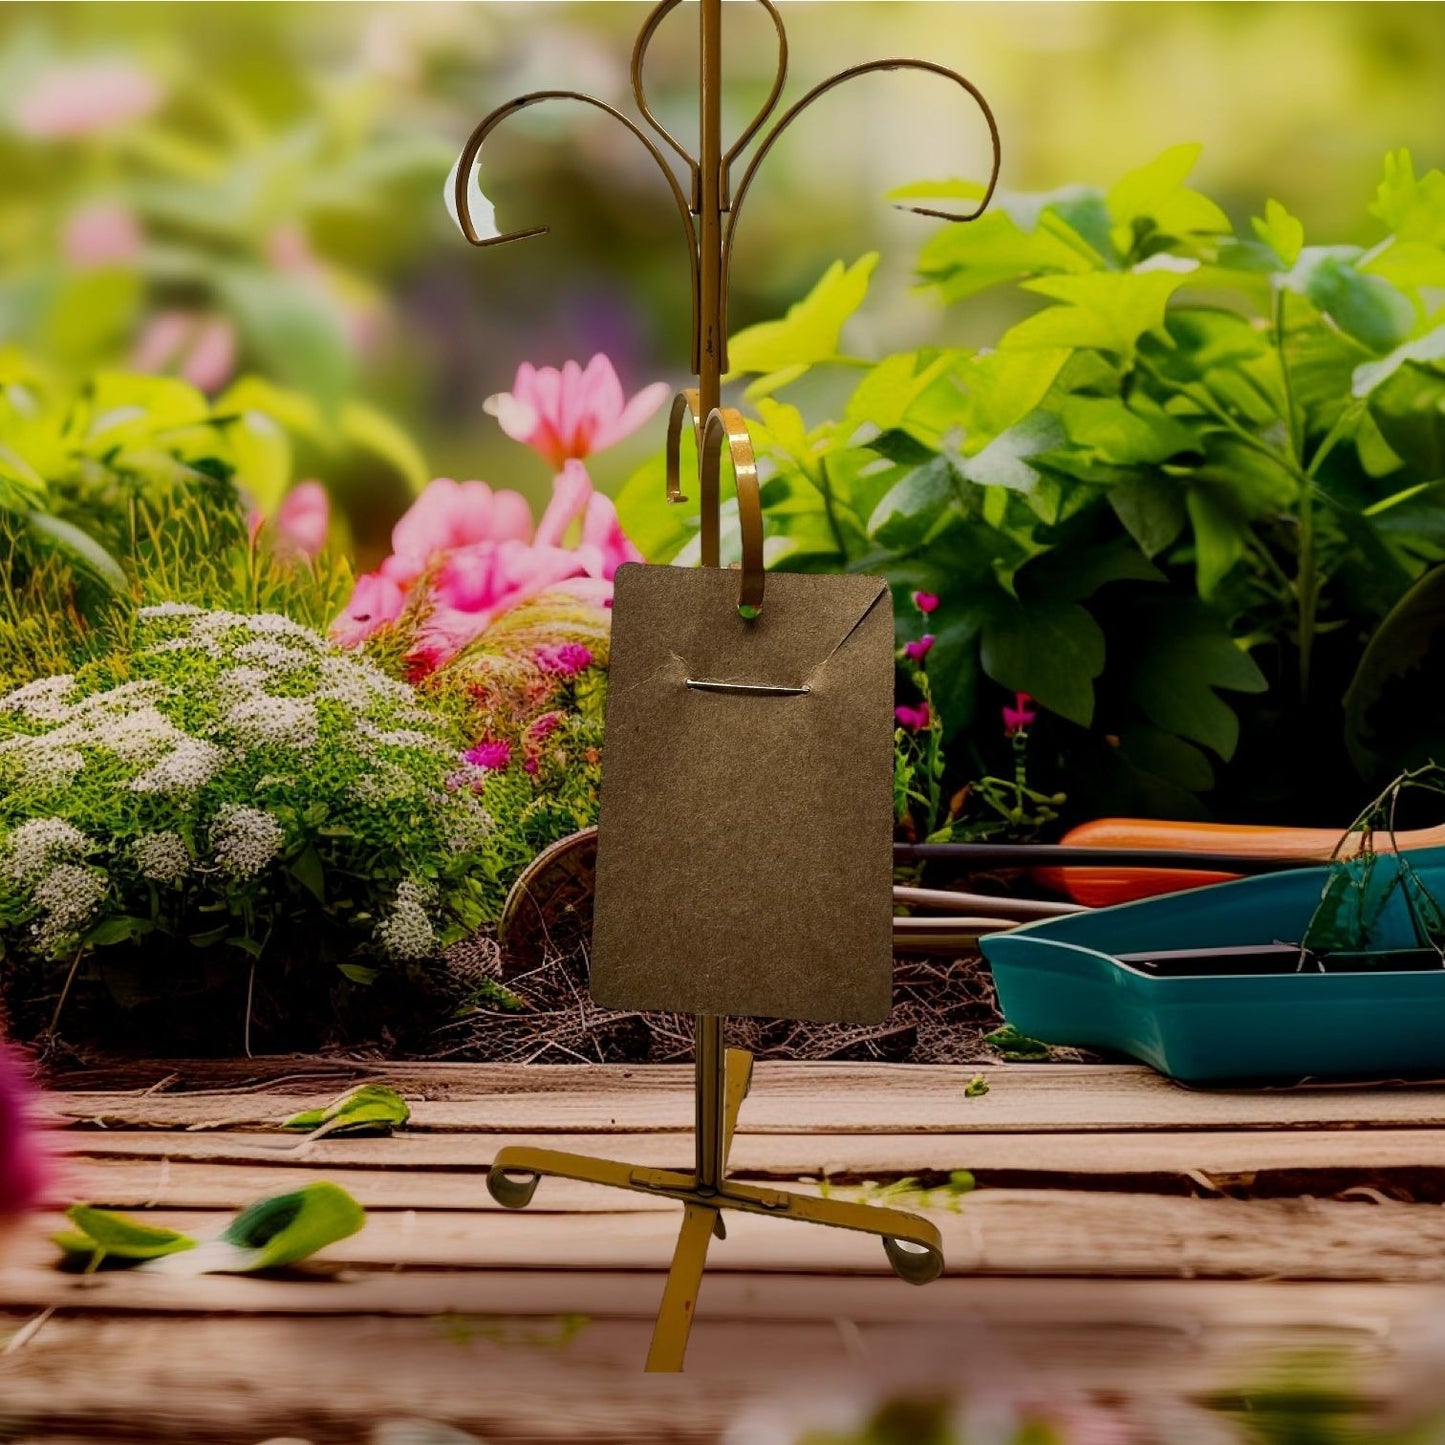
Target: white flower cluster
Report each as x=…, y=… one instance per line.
x=406, y=931
x=161, y=857
x=68, y=897
x=35, y=846
x=191, y=764
x=466, y=823
x=245, y=840
x=44, y=700
x=287, y=722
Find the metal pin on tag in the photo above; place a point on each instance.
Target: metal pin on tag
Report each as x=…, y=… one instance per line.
x=760, y=689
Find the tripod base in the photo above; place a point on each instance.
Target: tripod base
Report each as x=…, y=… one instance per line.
x=913, y=1245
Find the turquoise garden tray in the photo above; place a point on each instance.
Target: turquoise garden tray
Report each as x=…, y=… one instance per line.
x=1208, y=985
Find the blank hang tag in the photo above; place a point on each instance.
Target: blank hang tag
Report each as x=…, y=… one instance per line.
x=744, y=860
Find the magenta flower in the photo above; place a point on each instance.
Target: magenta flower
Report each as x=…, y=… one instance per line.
x=104, y=233
x=915, y=719
x=563, y=659
x=83, y=97
x=375, y=601
x=917, y=651
x=925, y=602
x=569, y=414
x=530, y=765
x=491, y=755
x=1020, y=717
x=23, y=1169
x=543, y=727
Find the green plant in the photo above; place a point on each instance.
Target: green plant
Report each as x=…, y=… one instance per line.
x=1206, y=469
x=132, y=489
x=231, y=787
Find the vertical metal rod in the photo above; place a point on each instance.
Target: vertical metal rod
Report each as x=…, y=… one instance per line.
x=710, y=243
x=711, y=1090
x=711, y=1062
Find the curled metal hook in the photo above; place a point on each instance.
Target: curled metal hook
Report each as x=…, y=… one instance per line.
x=821, y=89
x=727, y=424
x=471, y=152
x=687, y=402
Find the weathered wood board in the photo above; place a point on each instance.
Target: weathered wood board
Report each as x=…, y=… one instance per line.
x=1129, y=1237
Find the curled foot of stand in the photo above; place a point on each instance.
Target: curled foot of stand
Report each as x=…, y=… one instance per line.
x=512, y=1188
x=911, y=1261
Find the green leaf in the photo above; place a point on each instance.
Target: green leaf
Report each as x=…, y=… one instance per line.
x=373, y=430
x=1156, y=192
x=1280, y=231
x=102, y=1232
x=1182, y=658
x=808, y=334
x=964, y=260
x=359, y=973
x=1014, y=1046
x=1364, y=306
x=1004, y=462
x=79, y=548
x=976, y=1087
x=1409, y=409
x=1221, y=533
x=308, y=871
x=126, y=406
x=288, y=1228
x=1373, y=374
x=1051, y=649
x=1105, y=310
x=1003, y=387
x=1124, y=434
x=1152, y=509
x=886, y=394
x=909, y=510
x=118, y=930
x=1413, y=209
x=369, y=1109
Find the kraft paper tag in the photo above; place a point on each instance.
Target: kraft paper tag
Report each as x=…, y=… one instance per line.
x=744, y=861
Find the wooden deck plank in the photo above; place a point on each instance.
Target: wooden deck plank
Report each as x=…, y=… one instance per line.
x=997, y=1232
x=1412, y=1161
x=1367, y=1309
x=806, y=1099
x=1226, y=1154
x=77, y=1373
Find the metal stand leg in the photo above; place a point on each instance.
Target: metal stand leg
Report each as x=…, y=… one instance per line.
x=912, y=1244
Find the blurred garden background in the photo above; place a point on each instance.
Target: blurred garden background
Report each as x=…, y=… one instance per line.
x=273, y=173
x=303, y=657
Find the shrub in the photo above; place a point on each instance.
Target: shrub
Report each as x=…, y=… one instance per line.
x=238, y=786
x=1174, y=503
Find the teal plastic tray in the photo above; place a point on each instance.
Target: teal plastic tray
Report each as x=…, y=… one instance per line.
x=1061, y=981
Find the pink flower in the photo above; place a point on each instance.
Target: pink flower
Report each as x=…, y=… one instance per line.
x=491, y=755
x=1020, y=717
x=104, y=233
x=571, y=413
x=925, y=602
x=563, y=659
x=304, y=518
x=449, y=515
x=202, y=349
x=917, y=651
x=530, y=765
x=23, y=1169
x=544, y=726
x=83, y=97
x=375, y=601
x=915, y=719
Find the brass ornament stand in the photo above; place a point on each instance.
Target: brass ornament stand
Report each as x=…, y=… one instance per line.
x=709, y=213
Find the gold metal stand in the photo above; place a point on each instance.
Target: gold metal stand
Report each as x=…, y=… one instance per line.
x=709, y=212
